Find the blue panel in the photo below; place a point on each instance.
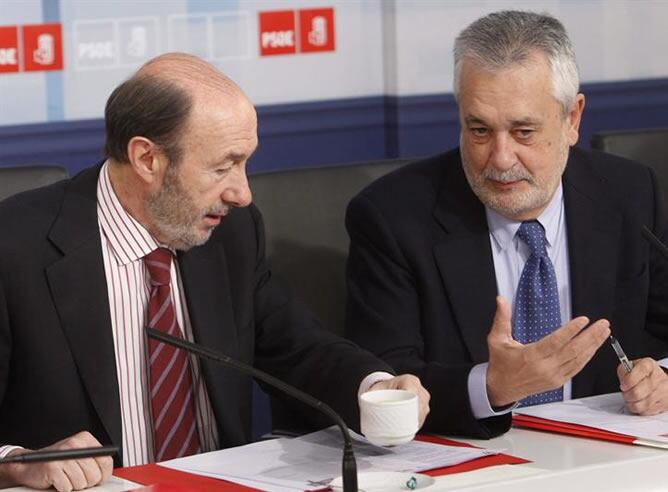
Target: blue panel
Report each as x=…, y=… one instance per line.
x=331, y=132
x=624, y=105
x=75, y=145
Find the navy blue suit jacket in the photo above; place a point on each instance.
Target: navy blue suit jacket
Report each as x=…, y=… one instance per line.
x=57, y=363
x=422, y=287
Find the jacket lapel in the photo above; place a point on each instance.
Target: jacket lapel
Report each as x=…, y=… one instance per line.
x=78, y=286
x=593, y=238
x=464, y=259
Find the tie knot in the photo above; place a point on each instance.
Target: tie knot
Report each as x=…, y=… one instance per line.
x=533, y=234
x=159, y=262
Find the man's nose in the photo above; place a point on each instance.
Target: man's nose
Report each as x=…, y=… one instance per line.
x=502, y=155
x=238, y=193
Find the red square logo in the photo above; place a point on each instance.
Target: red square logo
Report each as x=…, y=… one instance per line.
x=277, y=33
x=9, y=49
x=42, y=47
x=316, y=30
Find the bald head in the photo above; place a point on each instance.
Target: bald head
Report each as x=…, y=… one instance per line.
x=157, y=101
x=192, y=74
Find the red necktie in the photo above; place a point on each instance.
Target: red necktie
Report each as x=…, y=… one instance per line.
x=174, y=425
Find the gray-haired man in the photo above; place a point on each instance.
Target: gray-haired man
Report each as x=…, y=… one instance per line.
x=516, y=230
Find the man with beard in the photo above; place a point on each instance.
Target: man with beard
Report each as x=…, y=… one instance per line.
x=519, y=231
x=86, y=264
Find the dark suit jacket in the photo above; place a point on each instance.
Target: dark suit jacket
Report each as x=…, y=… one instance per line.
x=422, y=287
x=57, y=365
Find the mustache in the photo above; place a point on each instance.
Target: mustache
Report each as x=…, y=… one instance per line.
x=219, y=210
x=516, y=173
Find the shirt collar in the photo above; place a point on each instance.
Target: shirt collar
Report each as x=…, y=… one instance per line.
x=503, y=230
x=129, y=240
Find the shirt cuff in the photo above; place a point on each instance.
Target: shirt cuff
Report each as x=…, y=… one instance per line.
x=477, y=386
x=372, y=379
x=663, y=363
x=5, y=450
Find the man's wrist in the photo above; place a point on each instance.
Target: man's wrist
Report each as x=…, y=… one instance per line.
x=481, y=406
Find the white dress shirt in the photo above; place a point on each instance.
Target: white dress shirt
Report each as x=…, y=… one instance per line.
x=125, y=242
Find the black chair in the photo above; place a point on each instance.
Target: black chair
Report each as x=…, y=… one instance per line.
x=648, y=147
x=307, y=247
x=16, y=179
x=307, y=244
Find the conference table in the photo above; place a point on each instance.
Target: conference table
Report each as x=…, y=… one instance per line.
x=558, y=463
x=564, y=464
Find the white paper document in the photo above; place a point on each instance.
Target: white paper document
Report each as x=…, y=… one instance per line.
x=310, y=462
x=605, y=412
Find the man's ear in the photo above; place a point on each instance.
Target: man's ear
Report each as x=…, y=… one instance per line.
x=573, y=119
x=147, y=160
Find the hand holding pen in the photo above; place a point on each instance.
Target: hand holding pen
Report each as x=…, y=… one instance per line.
x=643, y=383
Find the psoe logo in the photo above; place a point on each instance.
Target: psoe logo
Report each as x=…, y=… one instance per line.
x=277, y=33
x=9, y=51
x=316, y=28
x=42, y=47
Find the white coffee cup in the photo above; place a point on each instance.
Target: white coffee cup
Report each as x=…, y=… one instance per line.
x=389, y=417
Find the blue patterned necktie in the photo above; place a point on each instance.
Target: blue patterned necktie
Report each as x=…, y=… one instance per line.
x=537, y=310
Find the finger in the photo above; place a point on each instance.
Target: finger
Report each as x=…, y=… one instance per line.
x=657, y=399
x=621, y=372
x=638, y=407
x=638, y=393
x=75, y=474
x=58, y=478
x=106, y=466
x=576, y=354
x=424, y=398
x=502, y=325
x=641, y=369
x=659, y=405
x=588, y=341
x=408, y=382
x=654, y=409
x=556, y=340
x=91, y=470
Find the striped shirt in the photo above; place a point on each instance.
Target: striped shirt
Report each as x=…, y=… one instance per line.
x=125, y=242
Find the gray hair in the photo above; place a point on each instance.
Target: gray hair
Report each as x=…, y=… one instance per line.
x=502, y=39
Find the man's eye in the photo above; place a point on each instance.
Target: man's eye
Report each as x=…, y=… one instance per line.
x=524, y=133
x=478, y=131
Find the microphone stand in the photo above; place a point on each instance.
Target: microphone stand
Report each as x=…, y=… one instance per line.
x=348, y=467
x=655, y=241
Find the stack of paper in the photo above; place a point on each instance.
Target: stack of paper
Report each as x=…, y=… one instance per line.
x=312, y=461
x=599, y=417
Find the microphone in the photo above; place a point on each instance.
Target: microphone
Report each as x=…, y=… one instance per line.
x=655, y=241
x=348, y=466
x=60, y=454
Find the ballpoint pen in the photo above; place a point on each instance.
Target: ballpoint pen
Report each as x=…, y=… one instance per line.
x=621, y=355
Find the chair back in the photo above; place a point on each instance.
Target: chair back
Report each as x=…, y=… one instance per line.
x=649, y=147
x=307, y=244
x=13, y=180
x=307, y=247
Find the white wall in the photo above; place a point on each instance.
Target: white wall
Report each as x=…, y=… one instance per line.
x=395, y=47
x=613, y=39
